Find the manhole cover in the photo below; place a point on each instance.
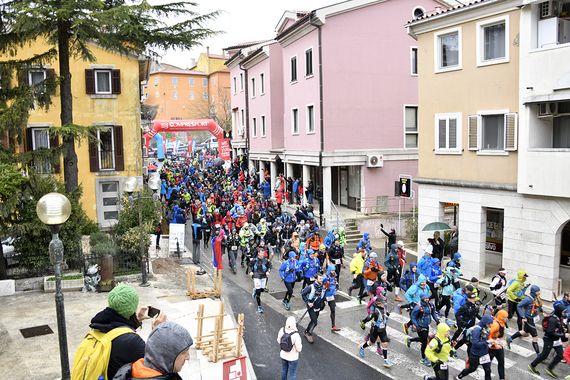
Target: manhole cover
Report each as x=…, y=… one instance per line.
x=31, y=332
x=280, y=295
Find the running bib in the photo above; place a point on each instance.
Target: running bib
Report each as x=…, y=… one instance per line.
x=330, y=298
x=537, y=319
x=557, y=343
x=443, y=366
x=485, y=359
x=369, y=282
x=337, y=261
x=234, y=248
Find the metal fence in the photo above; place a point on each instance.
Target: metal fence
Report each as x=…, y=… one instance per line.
x=123, y=263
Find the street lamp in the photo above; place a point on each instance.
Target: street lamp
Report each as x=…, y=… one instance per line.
x=130, y=186
x=54, y=209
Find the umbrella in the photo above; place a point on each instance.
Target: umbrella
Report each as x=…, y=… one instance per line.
x=218, y=162
x=435, y=226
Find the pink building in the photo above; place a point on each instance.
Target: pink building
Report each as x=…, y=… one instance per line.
x=348, y=98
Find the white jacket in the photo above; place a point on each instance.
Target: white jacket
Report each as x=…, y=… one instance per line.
x=291, y=326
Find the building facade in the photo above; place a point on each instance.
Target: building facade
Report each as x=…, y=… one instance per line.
x=349, y=119
x=106, y=94
x=486, y=148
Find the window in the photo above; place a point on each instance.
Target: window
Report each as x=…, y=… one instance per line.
x=411, y=126
x=191, y=81
x=553, y=24
x=294, y=69
x=561, y=132
x=102, y=81
x=494, y=230
x=106, y=148
x=262, y=83
x=235, y=84
x=204, y=82
x=418, y=12
x=311, y=119
x=254, y=127
x=174, y=81
x=492, y=132
x=414, y=60
x=308, y=62
x=263, y=127
x=205, y=95
x=492, y=41
x=36, y=76
x=448, y=50
x=253, y=88
x=175, y=95
x=191, y=95
x=295, y=121
x=447, y=133
x=41, y=140
x=242, y=118
x=241, y=81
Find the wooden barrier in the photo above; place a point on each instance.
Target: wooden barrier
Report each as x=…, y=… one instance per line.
x=216, y=291
x=216, y=345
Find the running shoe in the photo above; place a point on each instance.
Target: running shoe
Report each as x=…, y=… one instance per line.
x=533, y=369
x=253, y=294
x=551, y=373
x=509, y=341
x=379, y=350
x=362, y=325
x=405, y=328
x=361, y=352
x=260, y=310
x=407, y=341
x=426, y=362
x=335, y=329
x=388, y=363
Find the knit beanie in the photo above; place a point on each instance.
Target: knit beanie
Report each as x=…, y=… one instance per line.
x=124, y=299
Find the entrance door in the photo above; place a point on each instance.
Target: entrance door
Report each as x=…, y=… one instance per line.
x=344, y=186
x=108, y=203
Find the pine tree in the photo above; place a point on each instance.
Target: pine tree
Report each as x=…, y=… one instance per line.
x=69, y=26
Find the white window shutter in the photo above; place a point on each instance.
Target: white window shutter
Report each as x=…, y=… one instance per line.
x=511, y=131
x=472, y=130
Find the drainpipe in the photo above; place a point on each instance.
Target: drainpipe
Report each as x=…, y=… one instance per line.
x=246, y=114
x=318, y=24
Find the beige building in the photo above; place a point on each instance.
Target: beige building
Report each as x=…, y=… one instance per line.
x=468, y=109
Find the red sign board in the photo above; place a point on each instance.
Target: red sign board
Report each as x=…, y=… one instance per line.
x=224, y=149
x=235, y=369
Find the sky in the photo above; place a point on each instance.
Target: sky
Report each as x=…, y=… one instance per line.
x=242, y=21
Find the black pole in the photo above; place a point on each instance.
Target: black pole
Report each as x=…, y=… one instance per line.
x=56, y=253
x=144, y=281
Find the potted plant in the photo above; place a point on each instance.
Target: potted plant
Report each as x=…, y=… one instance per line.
x=71, y=281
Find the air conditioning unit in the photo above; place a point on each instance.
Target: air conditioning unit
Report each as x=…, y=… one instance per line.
x=547, y=109
x=374, y=161
x=548, y=9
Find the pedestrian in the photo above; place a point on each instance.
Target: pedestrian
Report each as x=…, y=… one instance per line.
x=291, y=345
x=260, y=268
x=288, y=273
x=438, y=351
x=498, y=287
x=356, y=269
x=310, y=192
x=331, y=286
x=497, y=341
x=529, y=309
x=196, y=237
x=453, y=241
x=313, y=295
x=379, y=317
x=390, y=235
x=479, y=350
x=219, y=242
x=422, y=316
x=120, y=319
x=516, y=289
x=167, y=350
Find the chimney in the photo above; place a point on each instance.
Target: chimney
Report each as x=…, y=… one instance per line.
x=208, y=51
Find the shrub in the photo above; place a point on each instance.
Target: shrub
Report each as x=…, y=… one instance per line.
x=412, y=229
x=99, y=237
x=103, y=248
x=129, y=242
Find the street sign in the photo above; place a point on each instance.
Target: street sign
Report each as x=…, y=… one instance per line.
x=405, y=187
x=235, y=369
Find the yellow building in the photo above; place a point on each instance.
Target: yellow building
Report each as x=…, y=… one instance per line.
x=106, y=93
x=468, y=109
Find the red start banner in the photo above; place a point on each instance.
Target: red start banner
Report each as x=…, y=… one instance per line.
x=224, y=149
x=235, y=369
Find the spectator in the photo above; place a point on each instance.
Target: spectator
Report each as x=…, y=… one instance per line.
x=290, y=359
x=437, y=244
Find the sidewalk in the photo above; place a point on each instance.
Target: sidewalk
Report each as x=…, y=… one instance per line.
x=38, y=357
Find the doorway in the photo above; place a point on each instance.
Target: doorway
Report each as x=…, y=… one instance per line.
x=343, y=181
x=494, y=227
x=108, y=203
x=564, y=274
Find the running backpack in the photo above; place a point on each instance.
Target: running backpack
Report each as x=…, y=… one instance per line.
x=546, y=321
x=92, y=356
x=469, y=333
x=440, y=344
x=286, y=343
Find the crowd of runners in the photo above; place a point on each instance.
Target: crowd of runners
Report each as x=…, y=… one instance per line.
x=242, y=221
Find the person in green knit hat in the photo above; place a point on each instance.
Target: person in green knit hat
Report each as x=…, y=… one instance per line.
x=123, y=311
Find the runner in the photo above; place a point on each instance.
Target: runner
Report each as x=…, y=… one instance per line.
x=497, y=341
x=288, y=273
x=335, y=256
x=498, y=287
x=260, y=268
x=309, y=267
x=553, y=335
x=379, y=318
x=356, y=268
x=331, y=286
x=393, y=269
x=438, y=352
x=422, y=316
x=479, y=350
x=232, y=247
x=414, y=295
x=529, y=308
x=313, y=296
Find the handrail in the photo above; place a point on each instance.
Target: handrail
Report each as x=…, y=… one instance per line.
x=336, y=213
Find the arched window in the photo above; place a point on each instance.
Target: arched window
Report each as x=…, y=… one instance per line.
x=419, y=12
x=565, y=245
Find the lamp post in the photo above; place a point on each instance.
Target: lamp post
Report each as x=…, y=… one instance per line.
x=53, y=210
x=130, y=186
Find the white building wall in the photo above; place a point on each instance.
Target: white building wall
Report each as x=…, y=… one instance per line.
x=531, y=231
